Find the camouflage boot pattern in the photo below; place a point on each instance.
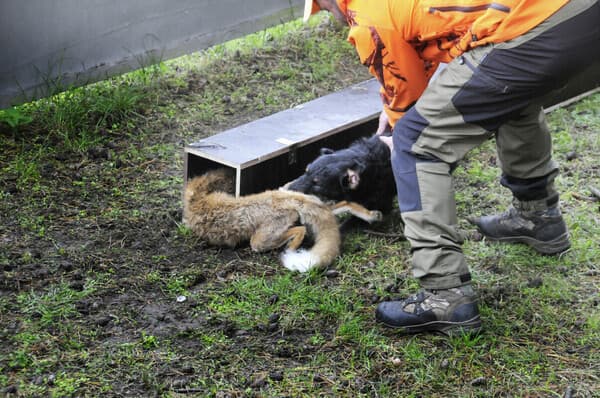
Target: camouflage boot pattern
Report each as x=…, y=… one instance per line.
x=448, y=311
x=534, y=223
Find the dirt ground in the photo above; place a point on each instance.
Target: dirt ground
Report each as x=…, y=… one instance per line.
x=104, y=293
x=102, y=228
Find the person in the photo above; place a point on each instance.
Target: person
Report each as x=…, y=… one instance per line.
x=502, y=57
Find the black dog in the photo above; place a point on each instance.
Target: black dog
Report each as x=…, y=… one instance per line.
x=361, y=173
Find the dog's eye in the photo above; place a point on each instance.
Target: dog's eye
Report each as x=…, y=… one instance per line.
x=345, y=181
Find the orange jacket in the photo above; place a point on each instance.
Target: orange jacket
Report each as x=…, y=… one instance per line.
x=403, y=41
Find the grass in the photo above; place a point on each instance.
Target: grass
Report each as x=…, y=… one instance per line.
x=94, y=260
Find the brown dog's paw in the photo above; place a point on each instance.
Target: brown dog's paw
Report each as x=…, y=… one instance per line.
x=376, y=215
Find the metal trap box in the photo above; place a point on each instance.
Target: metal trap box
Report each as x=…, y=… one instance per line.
x=268, y=152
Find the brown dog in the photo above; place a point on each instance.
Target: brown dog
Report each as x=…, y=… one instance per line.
x=268, y=220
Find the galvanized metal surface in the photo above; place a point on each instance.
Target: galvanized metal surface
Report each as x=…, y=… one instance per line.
x=273, y=135
x=46, y=45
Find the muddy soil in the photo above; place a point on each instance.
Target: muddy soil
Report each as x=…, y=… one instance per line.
x=103, y=292
x=104, y=224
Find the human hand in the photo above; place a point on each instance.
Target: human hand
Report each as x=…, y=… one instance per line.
x=387, y=140
x=384, y=123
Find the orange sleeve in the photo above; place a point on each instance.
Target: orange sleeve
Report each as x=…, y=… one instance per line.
x=403, y=75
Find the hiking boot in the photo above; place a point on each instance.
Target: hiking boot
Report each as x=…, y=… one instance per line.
x=447, y=311
x=533, y=223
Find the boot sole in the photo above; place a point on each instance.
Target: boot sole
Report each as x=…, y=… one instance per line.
x=471, y=326
x=554, y=246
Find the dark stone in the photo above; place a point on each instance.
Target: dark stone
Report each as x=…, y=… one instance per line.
x=276, y=376
x=535, y=282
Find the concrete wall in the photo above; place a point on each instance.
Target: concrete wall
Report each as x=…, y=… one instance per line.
x=51, y=44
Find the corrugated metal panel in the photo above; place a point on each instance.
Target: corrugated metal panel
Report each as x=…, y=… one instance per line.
x=50, y=43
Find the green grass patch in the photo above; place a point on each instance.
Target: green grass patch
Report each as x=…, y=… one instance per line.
x=93, y=253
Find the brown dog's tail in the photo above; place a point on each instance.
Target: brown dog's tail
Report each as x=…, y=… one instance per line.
x=324, y=227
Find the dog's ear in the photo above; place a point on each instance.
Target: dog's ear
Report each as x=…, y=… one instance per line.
x=326, y=151
x=359, y=167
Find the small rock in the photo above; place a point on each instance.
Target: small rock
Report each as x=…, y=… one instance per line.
x=258, y=380
x=77, y=275
x=9, y=267
x=476, y=236
x=179, y=383
x=568, y=392
x=241, y=333
x=563, y=270
x=222, y=274
x=181, y=299
x=12, y=389
x=274, y=318
x=67, y=266
x=479, y=381
x=317, y=378
x=284, y=352
x=41, y=273
x=103, y=321
x=83, y=307
x=276, y=376
x=187, y=369
x=273, y=299
x=77, y=285
x=571, y=155
x=391, y=288
x=138, y=244
x=535, y=282
x=98, y=153
x=332, y=273
x=396, y=361
x=197, y=279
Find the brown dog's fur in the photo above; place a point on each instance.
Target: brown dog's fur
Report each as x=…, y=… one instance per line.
x=268, y=220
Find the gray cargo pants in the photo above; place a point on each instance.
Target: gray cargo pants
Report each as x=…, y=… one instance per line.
x=491, y=90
